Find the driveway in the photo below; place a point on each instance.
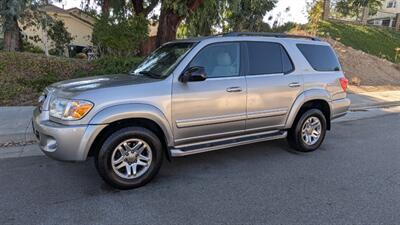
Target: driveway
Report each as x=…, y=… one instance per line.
x=353, y=179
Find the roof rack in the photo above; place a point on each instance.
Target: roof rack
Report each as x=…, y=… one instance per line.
x=266, y=34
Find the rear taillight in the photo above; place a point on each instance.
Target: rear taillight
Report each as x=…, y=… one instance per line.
x=344, y=82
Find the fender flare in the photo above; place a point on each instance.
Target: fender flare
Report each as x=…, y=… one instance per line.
x=306, y=96
x=134, y=111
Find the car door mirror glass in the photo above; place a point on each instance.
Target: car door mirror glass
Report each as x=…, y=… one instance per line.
x=193, y=74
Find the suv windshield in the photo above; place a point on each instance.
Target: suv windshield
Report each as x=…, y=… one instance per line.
x=161, y=62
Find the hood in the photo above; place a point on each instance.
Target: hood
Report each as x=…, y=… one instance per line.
x=75, y=86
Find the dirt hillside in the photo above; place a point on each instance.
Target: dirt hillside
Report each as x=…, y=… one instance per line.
x=364, y=71
x=367, y=72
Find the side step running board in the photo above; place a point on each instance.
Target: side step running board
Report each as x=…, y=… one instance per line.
x=184, y=150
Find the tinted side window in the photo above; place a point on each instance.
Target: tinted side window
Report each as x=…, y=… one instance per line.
x=268, y=58
x=287, y=62
x=320, y=57
x=264, y=58
x=219, y=60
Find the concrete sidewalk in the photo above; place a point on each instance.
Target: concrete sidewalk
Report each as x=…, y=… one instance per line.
x=374, y=99
x=16, y=129
x=15, y=124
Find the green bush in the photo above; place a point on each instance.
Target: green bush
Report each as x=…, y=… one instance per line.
x=2, y=66
x=114, y=65
x=29, y=47
x=120, y=36
x=23, y=76
x=55, y=52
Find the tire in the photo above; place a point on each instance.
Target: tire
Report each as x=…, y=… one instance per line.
x=129, y=158
x=296, y=138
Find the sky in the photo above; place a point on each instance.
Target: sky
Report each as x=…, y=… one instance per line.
x=297, y=12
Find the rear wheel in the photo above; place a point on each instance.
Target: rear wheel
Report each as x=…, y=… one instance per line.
x=308, y=132
x=129, y=158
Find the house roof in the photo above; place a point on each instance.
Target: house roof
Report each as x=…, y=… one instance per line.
x=71, y=12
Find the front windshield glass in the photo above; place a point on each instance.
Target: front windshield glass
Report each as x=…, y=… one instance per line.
x=161, y=62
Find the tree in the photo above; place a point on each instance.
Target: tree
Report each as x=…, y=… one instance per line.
x=247, y=15
x=60, y=36
x=326, y=10
x=119, y=35
x=143, y=8
x=10, y=12
x=228, y=15
x=40, y=20
x=315, y=12
x=360, y=9
x=171, y=15
x=204, y=20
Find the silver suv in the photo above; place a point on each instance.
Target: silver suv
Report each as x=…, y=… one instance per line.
x=193, y=96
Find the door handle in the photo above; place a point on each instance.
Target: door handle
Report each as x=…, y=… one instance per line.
x=234, y=89
x=294, y=84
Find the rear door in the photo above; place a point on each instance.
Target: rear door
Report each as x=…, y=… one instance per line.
x=272, y=87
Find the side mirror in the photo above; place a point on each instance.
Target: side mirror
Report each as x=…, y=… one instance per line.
x=192, y=74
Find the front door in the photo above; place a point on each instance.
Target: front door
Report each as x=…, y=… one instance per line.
x=213, y=108
x=272, y=87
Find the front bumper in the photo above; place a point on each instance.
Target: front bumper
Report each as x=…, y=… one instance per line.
x=340, y=107
x=63, y=142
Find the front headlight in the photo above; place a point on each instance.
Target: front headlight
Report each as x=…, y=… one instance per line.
x=67, y=109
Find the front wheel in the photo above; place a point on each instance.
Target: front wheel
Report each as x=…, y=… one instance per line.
x=308, y=132
x=129, y=158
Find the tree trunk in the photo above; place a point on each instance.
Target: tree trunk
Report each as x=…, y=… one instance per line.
x=170, y=20
x=140, y=10
x=138, y=7
x=365, y=14
x=167, y=26
x=105, y=8
x=327, y=7
x=397, y=22
x=12, y=36
x=46, y=43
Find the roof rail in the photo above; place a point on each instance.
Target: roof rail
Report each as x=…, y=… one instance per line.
x=266, y=34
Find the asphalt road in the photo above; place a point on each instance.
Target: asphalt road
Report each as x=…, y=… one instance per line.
x=353, y=179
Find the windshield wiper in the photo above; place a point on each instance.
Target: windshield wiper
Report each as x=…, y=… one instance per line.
x=150, y=74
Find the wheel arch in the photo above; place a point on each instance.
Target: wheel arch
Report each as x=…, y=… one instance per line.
x=117, y=117
x=319, y=99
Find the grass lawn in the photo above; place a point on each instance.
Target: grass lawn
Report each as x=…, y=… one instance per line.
x=376, y=41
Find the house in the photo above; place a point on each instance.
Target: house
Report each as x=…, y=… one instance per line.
x=388, y=15
x=78, y=23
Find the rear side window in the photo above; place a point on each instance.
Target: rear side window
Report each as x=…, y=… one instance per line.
x=267, y=58
x=320, y=57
